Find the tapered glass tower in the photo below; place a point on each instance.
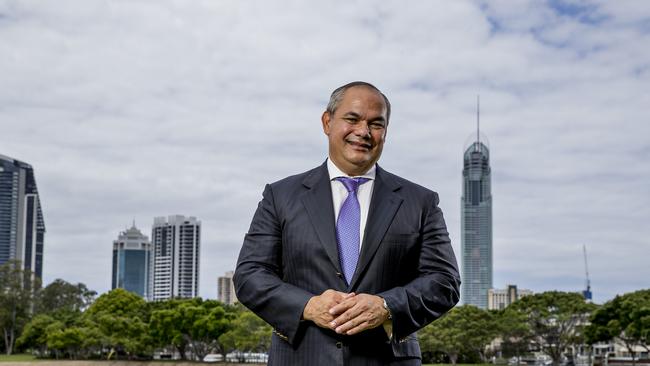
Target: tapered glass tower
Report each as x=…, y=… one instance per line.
x=476, y=223
x=22, y=229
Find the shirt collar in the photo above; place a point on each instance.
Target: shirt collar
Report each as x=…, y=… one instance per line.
x=335, y=172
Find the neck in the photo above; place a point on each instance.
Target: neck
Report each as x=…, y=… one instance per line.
x=351, y=170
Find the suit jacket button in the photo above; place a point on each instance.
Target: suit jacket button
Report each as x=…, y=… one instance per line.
x=339, y=274
x=339, y=344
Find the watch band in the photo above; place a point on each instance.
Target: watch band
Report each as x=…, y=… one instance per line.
x=390, y=315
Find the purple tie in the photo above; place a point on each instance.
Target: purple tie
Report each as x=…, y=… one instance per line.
x=347, y=227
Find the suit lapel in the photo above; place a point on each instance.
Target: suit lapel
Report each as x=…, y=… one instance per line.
x=383, y=206
x=318, y=203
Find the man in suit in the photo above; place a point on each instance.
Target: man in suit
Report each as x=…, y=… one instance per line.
x=347, y=261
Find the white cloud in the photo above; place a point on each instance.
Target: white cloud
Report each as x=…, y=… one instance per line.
x=142, y=109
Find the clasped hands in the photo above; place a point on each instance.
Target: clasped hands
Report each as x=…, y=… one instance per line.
x=346, y=313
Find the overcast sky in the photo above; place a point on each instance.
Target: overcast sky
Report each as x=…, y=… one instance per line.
x=136, y=109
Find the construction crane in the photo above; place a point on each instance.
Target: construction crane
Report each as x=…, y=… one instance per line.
x=587, y=291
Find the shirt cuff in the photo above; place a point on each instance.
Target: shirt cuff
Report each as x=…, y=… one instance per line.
x=388, y=328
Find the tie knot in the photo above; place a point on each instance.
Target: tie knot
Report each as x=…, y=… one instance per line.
x=351, y=184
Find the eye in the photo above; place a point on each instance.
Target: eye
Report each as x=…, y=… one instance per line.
x=376, y=125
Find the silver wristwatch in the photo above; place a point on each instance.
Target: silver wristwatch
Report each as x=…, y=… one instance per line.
x=390, y=315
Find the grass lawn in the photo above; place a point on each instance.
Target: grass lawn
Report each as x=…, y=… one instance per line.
x=14, y=358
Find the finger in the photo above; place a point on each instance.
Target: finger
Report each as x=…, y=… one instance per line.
x=335, y=297
x=343, y=306
x=324, y=321
x=359, y=328
x=352, y=323
x=342, y=296
x=351, y=316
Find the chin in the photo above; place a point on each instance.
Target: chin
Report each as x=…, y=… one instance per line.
x=359, y=161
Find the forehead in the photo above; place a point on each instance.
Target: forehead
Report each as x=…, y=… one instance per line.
x=363, y=97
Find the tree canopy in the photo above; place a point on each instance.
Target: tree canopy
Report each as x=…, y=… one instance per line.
x=556, y=318
x=17, y=289
x=464, y=328
x=626, y=318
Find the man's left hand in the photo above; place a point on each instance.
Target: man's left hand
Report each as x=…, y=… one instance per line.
x=358, y=313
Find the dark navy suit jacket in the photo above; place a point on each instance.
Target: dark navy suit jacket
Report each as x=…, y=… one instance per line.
x=290, y=254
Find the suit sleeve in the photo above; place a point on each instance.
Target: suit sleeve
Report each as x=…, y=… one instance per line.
x=435, y=290
x=258, y=276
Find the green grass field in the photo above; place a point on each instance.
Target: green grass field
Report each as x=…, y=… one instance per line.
x=15, y=358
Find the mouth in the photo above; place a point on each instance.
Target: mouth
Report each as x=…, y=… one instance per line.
x=357, y=145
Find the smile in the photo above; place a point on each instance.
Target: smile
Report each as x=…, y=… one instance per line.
x=360, y=145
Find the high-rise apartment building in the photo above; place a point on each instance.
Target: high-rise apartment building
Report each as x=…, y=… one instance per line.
x=132, y=262
x=226, y=289
x=22, y=229
x=476, y=224
x=176, y=244
x=499, y=299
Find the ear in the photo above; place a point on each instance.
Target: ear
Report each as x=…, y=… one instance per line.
x=325, y=118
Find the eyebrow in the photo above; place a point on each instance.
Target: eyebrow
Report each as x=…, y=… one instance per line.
x=352, y=114
x=356, y=115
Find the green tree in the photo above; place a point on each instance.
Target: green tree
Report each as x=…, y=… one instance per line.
x=189, y=325
x=17, y=288
x=62, y=296
x=65, y=340
x=626, y=319
x=556, y=319
x=62, y=303
x=167, y=325
x=249, y=333
x=209, y=324
x=464, y=329
x=93, y=340
x=120, y=317
x=34, y=335
x=515, y=331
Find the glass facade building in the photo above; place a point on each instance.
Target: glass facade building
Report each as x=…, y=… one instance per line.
x=176, y=246
x=22, y=228
x=476, y=224
x=132, y=266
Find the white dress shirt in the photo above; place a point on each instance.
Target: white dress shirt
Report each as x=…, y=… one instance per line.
x=364, y=193
x=340, y=193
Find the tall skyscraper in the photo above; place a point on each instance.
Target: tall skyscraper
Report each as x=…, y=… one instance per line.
x=176, y=241
x=22, y=229
x=226, y=289
x=476, y=223
x=132, y=265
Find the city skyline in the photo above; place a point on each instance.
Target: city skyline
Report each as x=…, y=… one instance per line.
x=135, y=110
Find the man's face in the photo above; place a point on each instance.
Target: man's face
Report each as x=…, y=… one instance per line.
x=356, y=130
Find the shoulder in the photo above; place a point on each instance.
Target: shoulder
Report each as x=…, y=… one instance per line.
x=290, y=187
x=299, y=179
x=404, y=185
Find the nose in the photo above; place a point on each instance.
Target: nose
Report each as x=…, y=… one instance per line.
x=362, y=129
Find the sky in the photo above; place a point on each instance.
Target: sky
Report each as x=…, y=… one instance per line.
x=128, y=110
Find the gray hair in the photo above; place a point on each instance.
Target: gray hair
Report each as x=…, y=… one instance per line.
x=337, y=96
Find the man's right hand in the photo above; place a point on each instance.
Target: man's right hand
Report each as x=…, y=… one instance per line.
x=318, y=307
